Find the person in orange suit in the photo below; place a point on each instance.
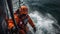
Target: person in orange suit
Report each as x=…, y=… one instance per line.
x=22, y=18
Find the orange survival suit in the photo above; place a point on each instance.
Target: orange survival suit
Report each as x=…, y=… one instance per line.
x=21, y=19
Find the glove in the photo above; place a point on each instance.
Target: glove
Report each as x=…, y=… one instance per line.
x=34, y=29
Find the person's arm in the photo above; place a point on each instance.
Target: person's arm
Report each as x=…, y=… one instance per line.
x=31, y=22
x=10, y=24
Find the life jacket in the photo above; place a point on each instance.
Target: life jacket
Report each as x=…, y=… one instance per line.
x=24, y=21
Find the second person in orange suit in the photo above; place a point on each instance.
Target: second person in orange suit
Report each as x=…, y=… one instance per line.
x=22, y=18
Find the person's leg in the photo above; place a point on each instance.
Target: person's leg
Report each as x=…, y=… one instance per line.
x=22, y=32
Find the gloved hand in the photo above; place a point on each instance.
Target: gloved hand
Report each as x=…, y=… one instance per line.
x=34, y=29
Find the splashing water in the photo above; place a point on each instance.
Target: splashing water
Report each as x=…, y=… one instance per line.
x=43, y=23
